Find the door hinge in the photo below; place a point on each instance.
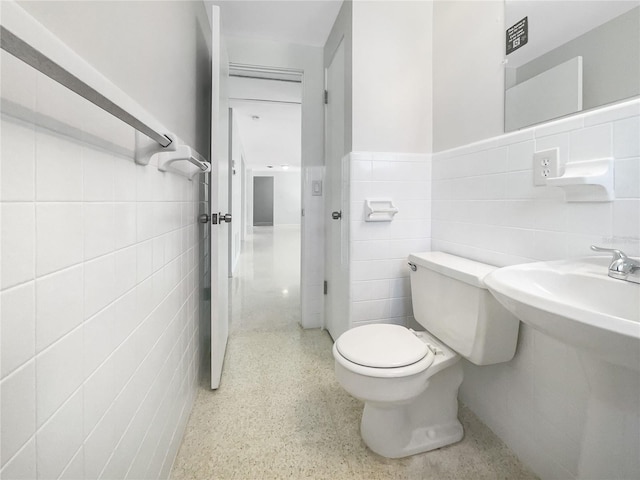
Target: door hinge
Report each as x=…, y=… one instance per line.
x=326, y=287
x=326, y=97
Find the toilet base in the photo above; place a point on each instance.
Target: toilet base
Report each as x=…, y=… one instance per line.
x=428, y=422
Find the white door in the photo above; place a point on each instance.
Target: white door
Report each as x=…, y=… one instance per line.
x=336, y=268
x=219, y=201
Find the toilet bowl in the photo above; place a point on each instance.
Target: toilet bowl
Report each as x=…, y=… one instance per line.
x=402, y=416
x=409, y=380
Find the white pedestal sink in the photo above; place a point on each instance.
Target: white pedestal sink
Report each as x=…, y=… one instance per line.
x=576, y=302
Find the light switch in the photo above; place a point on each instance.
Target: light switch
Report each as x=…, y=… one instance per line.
x=316, y=188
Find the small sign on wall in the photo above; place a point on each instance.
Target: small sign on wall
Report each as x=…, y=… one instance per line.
x=517, y=35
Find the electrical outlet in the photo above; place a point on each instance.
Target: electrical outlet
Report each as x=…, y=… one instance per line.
x=545, y=165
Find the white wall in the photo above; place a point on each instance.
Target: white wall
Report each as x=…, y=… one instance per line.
x=312, y=268
x=468, y=74
x=391, y=75
x=165, y=70
x=287, y=203
x=388, y=77
x=99, y=287
x=486, y=208
x=248, y=203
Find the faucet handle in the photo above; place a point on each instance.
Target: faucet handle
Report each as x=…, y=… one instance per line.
x=622, y=267
x=617, y=254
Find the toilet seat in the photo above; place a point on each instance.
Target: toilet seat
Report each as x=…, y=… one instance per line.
x=390, y=350
x=381, y=346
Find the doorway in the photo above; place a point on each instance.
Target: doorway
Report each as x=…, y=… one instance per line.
x=263, y=201
x=266, y=138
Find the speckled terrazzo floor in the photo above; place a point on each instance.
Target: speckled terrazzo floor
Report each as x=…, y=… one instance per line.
x=279, y=413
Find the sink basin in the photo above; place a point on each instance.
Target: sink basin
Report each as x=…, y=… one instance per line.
x=576, y=302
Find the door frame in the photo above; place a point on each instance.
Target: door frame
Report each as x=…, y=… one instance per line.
x=261, y=179
x=308, y=61
x=311, y=246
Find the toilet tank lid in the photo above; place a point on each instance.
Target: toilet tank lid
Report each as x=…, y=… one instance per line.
x=463, y=269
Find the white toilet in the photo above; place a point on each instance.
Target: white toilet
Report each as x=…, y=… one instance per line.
x=409, y=380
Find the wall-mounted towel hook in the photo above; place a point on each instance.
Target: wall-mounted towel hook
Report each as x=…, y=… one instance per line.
x=183, y=153
x=146, y=149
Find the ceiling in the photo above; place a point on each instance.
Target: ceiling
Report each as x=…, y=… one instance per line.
x=275, y=136
x=305, y=22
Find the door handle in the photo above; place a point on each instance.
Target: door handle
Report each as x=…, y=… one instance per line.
x=336, y=215
x=218, y=218
x=203, y=218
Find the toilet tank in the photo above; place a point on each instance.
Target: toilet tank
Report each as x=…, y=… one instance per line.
x=451, y=301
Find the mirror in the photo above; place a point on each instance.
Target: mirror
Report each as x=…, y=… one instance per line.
x=564, y=57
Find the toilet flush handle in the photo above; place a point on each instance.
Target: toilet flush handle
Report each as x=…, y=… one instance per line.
x=412, y=266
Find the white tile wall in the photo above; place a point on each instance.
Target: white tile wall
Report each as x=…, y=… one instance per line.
x=99, y=298
x=17, y=241
x=18, y=327
x=379, y=287
x=18, y=147
x=58, y=167
x=464, y=204
x=59, y=306
x=18, y=409
x=494, y=214
x=59, y=242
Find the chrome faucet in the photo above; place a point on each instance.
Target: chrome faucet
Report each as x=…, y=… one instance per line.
x=622, y=267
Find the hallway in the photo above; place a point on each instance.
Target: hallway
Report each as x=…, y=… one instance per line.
x=265, y=290
x=279, y=413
